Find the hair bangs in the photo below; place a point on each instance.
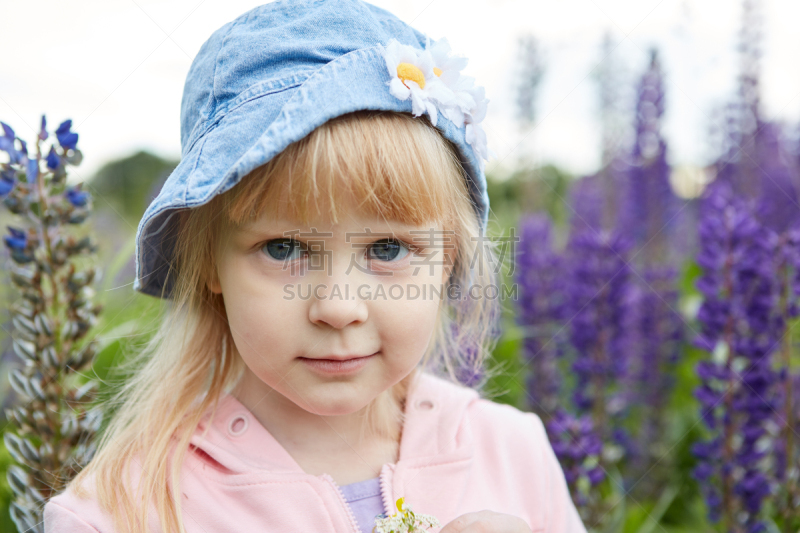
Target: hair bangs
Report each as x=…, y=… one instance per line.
x=389, y=165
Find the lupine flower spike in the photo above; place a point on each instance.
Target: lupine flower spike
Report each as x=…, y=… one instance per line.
x=53, y=429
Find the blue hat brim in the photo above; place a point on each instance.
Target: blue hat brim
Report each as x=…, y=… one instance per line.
x=235, y=142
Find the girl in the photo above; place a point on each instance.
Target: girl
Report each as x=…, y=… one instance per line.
x=319, y=243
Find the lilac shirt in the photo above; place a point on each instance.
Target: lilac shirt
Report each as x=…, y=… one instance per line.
x=364, y=498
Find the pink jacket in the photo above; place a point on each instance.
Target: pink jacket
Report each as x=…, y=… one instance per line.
x=459, y=453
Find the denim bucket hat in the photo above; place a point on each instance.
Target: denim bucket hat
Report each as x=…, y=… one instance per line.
x=276, y=73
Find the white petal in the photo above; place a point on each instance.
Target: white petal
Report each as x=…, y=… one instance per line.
x=449, y=77
x=392, y=56
x=479, y=111
x=454, y=115
x=432, y=112
x=399, y=90
x=425, y=64
x=465, y=83
x=477, y=139
x=464, y=101
x=417, y=99
x=440, y=51
x=469, y=135
x=440, y=92
x=440, y=48
x=409, y=54
x=456, y=63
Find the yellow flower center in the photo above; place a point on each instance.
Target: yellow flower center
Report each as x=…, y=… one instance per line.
x=407, y=71
x=437, y=71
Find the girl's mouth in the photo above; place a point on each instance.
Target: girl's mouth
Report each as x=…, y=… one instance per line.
x=331, y=366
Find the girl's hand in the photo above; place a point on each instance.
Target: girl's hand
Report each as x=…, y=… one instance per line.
x=486, y=522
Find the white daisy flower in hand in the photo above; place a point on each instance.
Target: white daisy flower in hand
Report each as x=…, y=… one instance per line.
x=406, y=521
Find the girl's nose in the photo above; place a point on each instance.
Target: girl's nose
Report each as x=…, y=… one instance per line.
x=330, y=306
x=335, y=299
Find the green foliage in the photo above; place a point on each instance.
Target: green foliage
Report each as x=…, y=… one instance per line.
x=6, y=524
x=131, y=183
x=526, y=190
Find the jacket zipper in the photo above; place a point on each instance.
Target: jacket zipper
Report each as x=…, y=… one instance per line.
x=386, y=489
x=353, y=521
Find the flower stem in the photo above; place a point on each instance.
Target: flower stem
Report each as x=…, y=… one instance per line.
x=786, y=352
x=728, y=429
x=43, y=206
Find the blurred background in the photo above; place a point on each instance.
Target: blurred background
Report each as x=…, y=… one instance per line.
x=632, y=140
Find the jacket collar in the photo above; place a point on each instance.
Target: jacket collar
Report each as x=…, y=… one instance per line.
x=435, y=413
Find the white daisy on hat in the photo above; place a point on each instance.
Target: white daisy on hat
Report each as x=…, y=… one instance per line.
x=412, y=74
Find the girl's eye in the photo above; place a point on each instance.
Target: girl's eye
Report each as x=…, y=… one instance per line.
x=387, y=250
x=284, y=249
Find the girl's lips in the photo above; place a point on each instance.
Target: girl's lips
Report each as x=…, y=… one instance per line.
x=329, y=366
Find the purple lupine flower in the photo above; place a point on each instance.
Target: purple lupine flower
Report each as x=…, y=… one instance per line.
x=659, y=333
x=51, y=340
x=18, y=240
x=787, y=446
x=7, y=139
x=779, y=200
x=738, y=386
x=578, y=448
x=77, y=197
x=17, y=244
x=586, y=201
x=650, y=210
x=66, y=138
x=539, y=273
x=600, y=294
x=43, y=130
x=7, y=181
x=470, y=373
x=53, y=161
x=32, y=170
x=7, y=143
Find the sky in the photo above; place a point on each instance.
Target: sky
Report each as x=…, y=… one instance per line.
x=117, y=68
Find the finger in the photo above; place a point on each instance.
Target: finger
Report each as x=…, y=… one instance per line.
x=461, y=523
x=487, y=522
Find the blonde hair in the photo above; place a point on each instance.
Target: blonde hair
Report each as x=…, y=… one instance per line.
x=403, y=169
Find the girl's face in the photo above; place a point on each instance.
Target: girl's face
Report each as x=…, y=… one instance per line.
x=361, y=287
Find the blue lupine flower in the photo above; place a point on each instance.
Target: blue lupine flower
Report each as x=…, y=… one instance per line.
x=659, y=333
x=7, y=143
x=43, y=131
x=53, y=161
x=32, y=169
x=77, y=197
x=66, y=138
x=779, y=194
x=649, y=211
x=7, y=181
x=18, y=239
x=586, y=199
x=737, y=256
x=578, y=448
x=599, y=288
x=8, y=133
x=542, y=310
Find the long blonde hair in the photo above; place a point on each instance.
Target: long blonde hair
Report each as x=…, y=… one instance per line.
x=404, y=169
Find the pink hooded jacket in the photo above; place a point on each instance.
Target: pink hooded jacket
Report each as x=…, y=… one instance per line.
x=459, y=453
